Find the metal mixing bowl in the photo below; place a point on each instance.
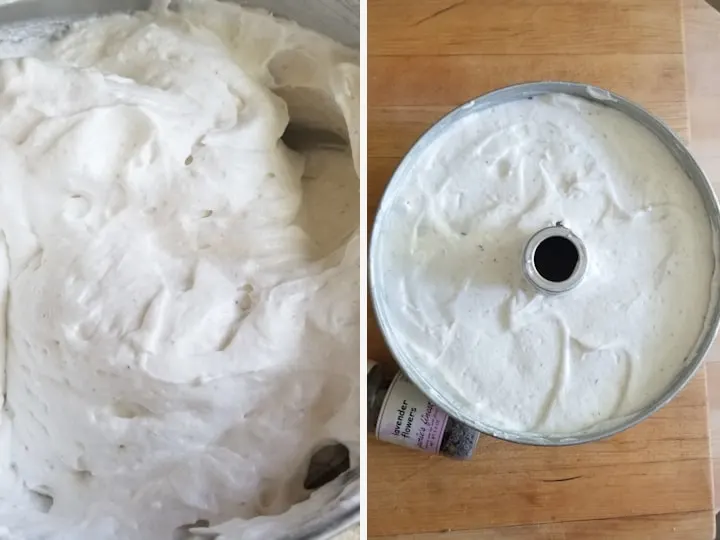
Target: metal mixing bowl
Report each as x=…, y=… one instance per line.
x=443, y=394
x=338, y=19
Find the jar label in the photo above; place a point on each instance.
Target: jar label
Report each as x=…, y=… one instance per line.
x=409, y=418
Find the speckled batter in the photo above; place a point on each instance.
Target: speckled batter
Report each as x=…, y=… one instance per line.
x=449, y=276
x=180, y=289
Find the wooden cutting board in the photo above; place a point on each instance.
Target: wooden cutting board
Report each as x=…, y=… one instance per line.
x=650, y=482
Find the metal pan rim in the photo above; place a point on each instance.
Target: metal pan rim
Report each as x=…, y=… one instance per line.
x=682, y=155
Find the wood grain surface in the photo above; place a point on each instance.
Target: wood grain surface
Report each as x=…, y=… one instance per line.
x=653, y=481
x=702, y=53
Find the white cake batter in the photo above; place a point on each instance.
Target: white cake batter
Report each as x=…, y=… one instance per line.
x=450, y=274
x=180, y=289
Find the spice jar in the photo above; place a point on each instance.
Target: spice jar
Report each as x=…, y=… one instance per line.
x=399, y=413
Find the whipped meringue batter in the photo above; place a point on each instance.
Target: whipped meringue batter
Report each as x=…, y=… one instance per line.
x=180, y=290
x=449, y=280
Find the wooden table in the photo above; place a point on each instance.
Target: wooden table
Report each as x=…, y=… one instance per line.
x=651, y=482
x=702, y=54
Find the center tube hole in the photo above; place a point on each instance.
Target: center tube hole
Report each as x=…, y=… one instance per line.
x=556, y=258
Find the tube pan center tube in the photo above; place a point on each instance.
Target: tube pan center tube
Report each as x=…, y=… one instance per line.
x=554, y=260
